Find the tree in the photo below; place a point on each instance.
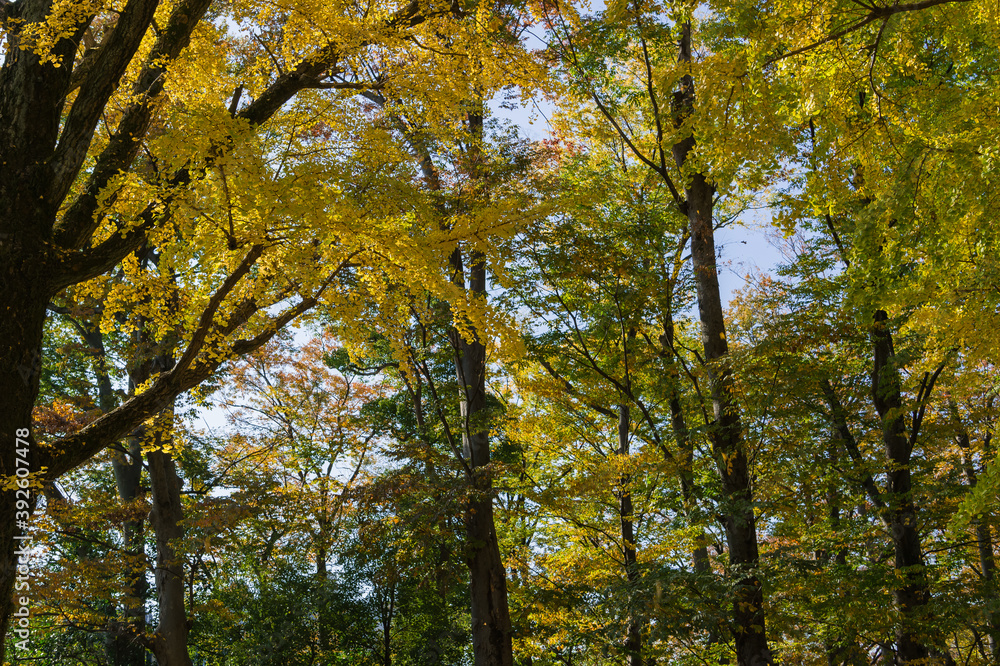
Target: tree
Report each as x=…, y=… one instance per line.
x=604, y=282
x=126, y=130
x=631, y=98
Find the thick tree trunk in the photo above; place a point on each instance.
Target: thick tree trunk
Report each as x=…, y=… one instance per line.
x=20, y=362
x=734, y=468
x=912, y=595
x=170, y=640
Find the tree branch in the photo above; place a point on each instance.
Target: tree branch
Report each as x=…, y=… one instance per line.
x=104, y=70
x=82, y=218
x=875, y=14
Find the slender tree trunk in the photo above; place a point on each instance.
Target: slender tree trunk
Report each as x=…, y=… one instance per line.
x=491, y=627
x=984, y=535
x=387, y=618
x=633, y=632
x=912, y=595
x=170, y=640
x=734, y=468
x=682, y=435
x=322, y=577
x=128, y=643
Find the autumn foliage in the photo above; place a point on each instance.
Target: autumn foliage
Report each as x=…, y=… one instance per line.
x=324, y=361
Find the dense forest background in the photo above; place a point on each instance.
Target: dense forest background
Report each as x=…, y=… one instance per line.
x=478, y=399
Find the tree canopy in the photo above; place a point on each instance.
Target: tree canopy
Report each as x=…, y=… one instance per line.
x=481, y=399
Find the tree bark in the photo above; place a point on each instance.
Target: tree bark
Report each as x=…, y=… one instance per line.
x=727, y=434
x=912, y=595
x=169, y=643
x=388, y=614
x=633, y=632
x=685, y=446
x=128, y=641
x=491, y=627
x=129, y=649
x=20, y=363
x=984, y=535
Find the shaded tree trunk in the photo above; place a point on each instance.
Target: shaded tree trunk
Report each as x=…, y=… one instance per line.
x=727, y=435
x=633, y=631
x=127, y=645
x=388, y=614
x=491, y=626
x=984, y=535
x=20, y=363
x=913, y=594
x=170, y=642
x=626, y=512
x=685, y=446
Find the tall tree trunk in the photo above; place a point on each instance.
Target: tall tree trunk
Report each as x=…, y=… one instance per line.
x=633, y=632
x=388, y=614
x=322, y=578
x=912, y=595
x=126, y=645
x=31, y=104
x=492, y=643
x=128, y=642
x=22, y=301
x=727, y=435
x=491, y=627
x=984, y=535
x=170, y=644
x=626, y=512
x=685, y=446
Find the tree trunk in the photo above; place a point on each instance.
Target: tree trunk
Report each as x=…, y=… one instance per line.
x=170, y=640
x=388, y=613
x=491, y=627
x=699, y=554
x=731, y=458
x=633, y=632
x=20, y=355
x=322, y=578
x=912, y=595
x=126, y=644
x=984, y=535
